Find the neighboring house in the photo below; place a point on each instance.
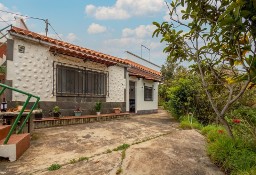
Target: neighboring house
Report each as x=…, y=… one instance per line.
x=67, y=75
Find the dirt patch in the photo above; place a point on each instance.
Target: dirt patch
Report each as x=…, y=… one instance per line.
x=161, y=148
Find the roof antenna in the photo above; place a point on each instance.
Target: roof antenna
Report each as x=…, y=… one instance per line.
x=46, y=26
x=145, y=48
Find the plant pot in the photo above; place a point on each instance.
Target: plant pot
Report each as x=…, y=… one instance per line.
x=56, y=115
x=78, y=113
x=117, y=110
x=38, y=116
x=98, y=113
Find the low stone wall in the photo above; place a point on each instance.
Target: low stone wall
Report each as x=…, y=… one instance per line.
x=67, y=107
x=72, y=120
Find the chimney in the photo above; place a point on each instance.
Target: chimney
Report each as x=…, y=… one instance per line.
x=19, y=22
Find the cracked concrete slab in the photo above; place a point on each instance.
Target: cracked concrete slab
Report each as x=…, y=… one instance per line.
x=177, y=152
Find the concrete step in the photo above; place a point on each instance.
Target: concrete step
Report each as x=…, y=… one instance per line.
x=4, y=130
x=16, y=146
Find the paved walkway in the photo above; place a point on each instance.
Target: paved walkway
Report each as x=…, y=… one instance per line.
x=157, y=146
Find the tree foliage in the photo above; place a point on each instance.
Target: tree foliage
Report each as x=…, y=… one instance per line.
x=219, y=37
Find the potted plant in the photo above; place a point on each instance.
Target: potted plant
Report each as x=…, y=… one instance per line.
x=98, y=107
x=78, y=111
x=117, y=110
x=38, y=113
x=56, y=111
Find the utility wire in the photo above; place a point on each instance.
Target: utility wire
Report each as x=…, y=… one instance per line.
x=55, y=31
x=22, y=15
x=4, y=21
x=45, y=20
x=8, y=21
x=7, y=24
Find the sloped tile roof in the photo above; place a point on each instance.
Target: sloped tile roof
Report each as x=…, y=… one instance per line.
x=85, y=53
x=137, y=72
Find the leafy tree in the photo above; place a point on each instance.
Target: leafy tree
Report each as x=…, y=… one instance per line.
x=219, y=38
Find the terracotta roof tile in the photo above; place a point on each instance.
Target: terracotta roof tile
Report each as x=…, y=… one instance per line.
x=82, y=52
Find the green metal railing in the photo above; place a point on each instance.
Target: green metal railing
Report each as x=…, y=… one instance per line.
x=4, y=87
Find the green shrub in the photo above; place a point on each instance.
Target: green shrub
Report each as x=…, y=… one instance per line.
x=246, y=128
x=186, y=123
x=54, y=167
x=186, y=95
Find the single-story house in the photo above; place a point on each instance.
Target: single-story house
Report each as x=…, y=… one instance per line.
x=68, y=76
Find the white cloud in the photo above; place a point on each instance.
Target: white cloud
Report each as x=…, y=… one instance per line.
x=141, y=31
x=90, y=9
x=124, y=9
x=9, y=18
x=96, y=28
x=71, y=37
x=167, y=16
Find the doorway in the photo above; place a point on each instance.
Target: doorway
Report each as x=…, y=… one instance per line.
x=132, y=96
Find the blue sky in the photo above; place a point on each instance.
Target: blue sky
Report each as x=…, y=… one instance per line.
x=108, y=26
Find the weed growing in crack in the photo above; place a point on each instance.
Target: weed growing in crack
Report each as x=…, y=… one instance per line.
x=119, y=171
x=108, y=151
x=54, y=167
x=123, y=154
x=121, y=147
x=72, y=161
x=82, y=159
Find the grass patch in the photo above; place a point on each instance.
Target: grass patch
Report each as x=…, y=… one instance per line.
x=123, y=154
x=234, y=156
x=83, y=159
x=54, y=167
x=35, y=136
x=109, y=151
x=72, y=161
x=122, y=147
x=186, y=123
x=119, y=171
x=209, y=128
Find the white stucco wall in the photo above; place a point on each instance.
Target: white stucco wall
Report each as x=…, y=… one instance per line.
x=32, y=72
x=140, y=104
x=117, y=84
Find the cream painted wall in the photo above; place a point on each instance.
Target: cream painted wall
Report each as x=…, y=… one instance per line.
x=32, y=72
x=117, y=84
x=140, y=104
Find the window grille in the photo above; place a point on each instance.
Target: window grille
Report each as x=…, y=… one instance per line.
x=76, y=82
x=148, y=93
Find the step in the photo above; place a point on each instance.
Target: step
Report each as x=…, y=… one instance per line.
x=16, y=146
x=4, y=130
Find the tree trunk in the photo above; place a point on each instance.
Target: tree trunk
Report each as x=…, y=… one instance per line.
x=226, y=126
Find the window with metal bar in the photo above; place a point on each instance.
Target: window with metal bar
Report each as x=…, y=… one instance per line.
x=75, y=81
x=148, y=93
